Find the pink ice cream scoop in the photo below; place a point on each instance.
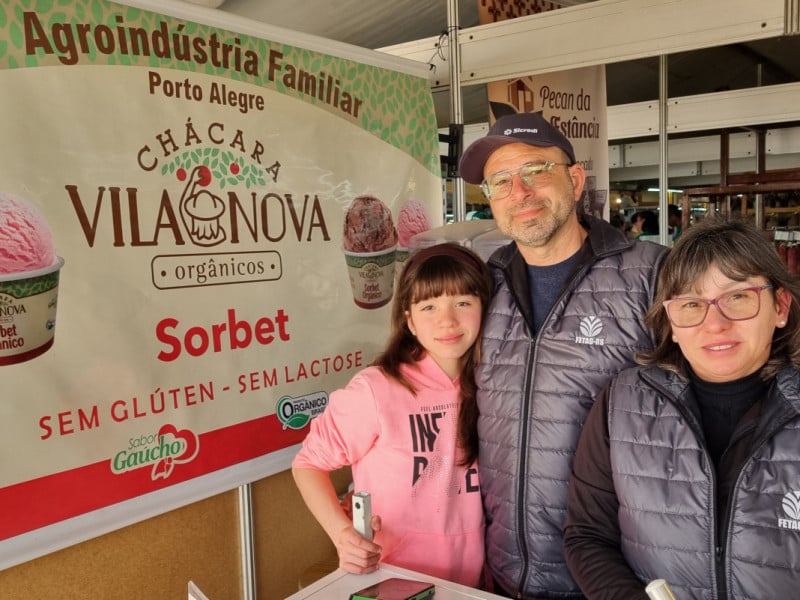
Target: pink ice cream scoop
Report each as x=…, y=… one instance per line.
x=368, y=226
x=26, y=242
x=413, y=219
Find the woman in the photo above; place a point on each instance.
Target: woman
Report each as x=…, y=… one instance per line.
x=688, y=467
x=408, y=427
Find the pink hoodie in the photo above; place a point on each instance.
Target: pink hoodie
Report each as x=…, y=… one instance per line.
x=403, y=451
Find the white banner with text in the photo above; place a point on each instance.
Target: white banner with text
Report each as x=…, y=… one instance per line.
x=199, y=235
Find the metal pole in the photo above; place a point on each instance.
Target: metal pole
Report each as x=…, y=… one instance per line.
x=456, y=116
x=758, y=203
x=663, y=144
x=246, y=542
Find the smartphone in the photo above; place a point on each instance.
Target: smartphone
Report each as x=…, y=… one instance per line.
x=396, y=588
x=362, y=514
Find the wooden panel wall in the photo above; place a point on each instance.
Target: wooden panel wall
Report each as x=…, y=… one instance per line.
x=156, y=558
x=288, y=540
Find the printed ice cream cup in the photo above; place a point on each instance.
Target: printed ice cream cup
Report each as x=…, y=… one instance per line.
x=412, y=219
x=371, y=276
x=28, y=303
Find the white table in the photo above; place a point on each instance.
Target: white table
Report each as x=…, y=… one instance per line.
x=340, y=584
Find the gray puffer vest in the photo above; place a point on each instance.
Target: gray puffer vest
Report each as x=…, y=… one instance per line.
x=534, y=395
x=666, y=487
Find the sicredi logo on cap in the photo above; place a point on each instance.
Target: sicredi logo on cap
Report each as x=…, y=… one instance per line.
x=519, y=130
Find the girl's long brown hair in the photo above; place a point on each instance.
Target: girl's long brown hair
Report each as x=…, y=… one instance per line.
x=430, y=272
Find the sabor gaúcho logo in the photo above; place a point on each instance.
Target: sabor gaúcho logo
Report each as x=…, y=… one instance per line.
x=162, y=451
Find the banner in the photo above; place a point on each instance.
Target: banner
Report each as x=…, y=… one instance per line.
x=199, y=235
x=574, y=101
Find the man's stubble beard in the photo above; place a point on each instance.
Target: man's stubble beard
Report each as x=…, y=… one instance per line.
x=539, y=231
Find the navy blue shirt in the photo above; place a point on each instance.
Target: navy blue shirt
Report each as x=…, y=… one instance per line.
x=545, y=284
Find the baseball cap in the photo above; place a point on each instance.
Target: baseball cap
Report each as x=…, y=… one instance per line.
x=527, y=128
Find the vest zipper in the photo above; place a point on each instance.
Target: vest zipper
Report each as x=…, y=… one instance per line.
x=719, y=569
x=719, y=572
x=722, y=590
x=524, y=437
x=521, y=474
x=775, y=427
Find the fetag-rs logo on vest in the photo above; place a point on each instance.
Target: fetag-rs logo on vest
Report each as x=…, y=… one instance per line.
x=590, y=328
x=791, y=508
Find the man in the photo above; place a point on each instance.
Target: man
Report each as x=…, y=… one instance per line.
x=675, y=221
x=570, y=294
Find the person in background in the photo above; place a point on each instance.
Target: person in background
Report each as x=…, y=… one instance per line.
x=688, y=467
x=643, y=222
x=406, y=424
x=675, y=220
x=617, y=221
x=567, y=313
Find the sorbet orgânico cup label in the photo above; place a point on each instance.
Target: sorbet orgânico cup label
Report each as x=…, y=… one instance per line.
x=28, y=313
x=371, y=277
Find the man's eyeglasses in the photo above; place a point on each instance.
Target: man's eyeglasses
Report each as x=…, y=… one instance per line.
x=533, y=175
x=736, y=305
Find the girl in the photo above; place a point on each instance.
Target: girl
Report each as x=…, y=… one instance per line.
x=407, y=426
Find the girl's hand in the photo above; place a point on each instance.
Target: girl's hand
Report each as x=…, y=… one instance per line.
x=356, y=553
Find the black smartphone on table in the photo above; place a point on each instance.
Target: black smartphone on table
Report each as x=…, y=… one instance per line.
x=396, y=588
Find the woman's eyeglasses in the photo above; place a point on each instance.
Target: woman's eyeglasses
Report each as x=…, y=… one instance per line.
x=736, y=305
